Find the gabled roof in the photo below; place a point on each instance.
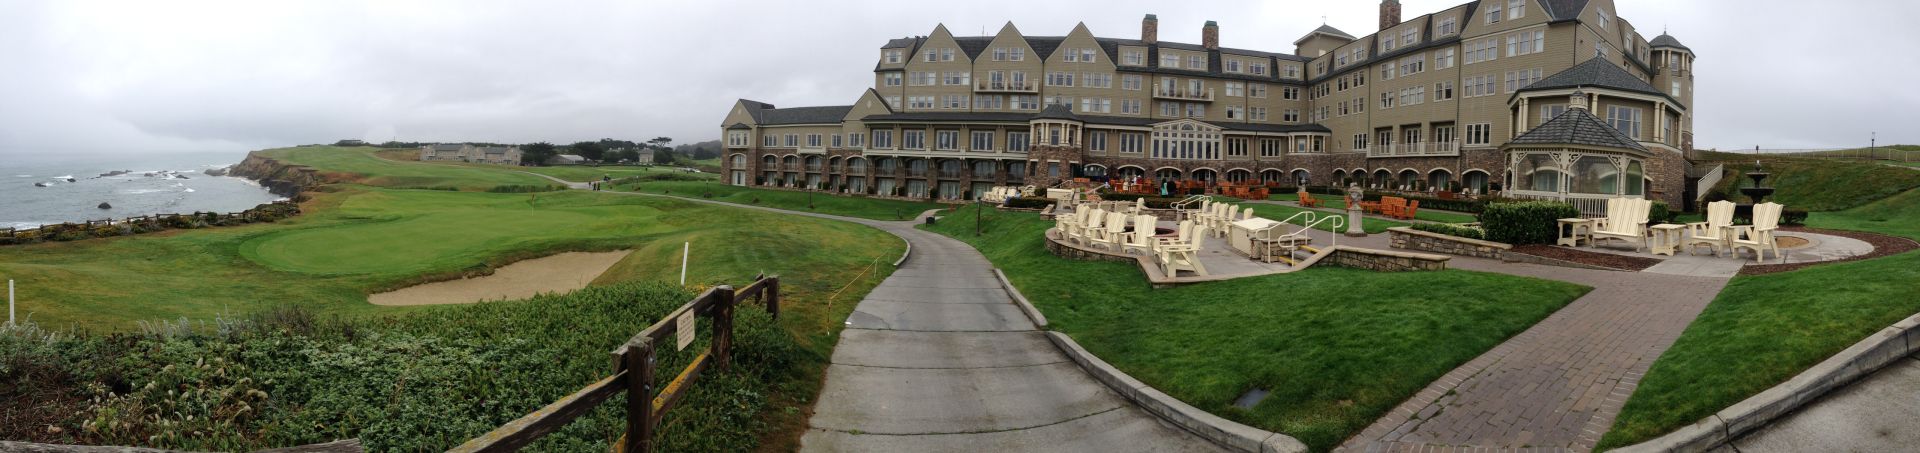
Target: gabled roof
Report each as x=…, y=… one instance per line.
x=973, y=45
x=901, y=43
x=803, y=115
x=1056, y=112
x=1577, y=127
x=950, y=116
x=755, y=109
x=1326, y=30
x=739, y=126
x=1564, y=10
x=1666, y=40
x=1597, y=73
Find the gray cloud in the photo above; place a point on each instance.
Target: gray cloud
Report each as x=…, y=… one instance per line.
x=196, y=75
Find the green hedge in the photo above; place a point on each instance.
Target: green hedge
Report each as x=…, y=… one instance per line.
x=1456, y=205
x=1451, y=230
x=1527, y=222
x=1029, y=203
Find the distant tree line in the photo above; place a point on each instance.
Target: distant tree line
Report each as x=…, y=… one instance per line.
x=603, y=150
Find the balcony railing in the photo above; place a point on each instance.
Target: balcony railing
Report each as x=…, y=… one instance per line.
x=916, y=172
x=857, y=171
x=1442, y=149
x=1183, y=94
x=950, y=174
x=986, y=175
x=1007, y=87
x=813, y=168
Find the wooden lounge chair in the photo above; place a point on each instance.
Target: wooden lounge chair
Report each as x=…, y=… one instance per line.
x=1626, y=221
x=1308, y=201
x=1182, y=253
x=1713, y=232
x=1093, y=228
x=1115, y=231
x=1141, y=239
x=1758, y=237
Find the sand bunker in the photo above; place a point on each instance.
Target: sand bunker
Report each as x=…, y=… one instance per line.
x=558, y=273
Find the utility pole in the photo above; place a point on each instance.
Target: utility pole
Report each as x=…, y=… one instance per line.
x=1873, y=144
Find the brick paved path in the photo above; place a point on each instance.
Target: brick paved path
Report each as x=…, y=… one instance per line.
x=1556, y=386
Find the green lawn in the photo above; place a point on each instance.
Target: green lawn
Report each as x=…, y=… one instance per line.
x=1821, y=184
x=1764, y=329
x=820, y=202
x=361, y=164
x=1338, y=347
x=585, y=174
x=1282, y=212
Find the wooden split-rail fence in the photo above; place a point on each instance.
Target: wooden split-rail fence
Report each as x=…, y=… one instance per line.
x=634, y=373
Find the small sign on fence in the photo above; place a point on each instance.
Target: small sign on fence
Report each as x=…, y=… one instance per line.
x=683, y=329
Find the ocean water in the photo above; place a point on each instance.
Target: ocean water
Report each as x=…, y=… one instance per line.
x=130, y=195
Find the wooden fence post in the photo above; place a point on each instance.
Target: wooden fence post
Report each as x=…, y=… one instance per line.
x=640, y=397
x=773, y=297
x=723, y=328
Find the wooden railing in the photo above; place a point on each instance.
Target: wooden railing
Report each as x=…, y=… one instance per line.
x=634, y=363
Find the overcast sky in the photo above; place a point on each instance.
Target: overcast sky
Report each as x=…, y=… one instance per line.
x=176, y=75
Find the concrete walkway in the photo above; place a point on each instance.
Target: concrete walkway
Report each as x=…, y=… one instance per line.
x=938, y=358
x=1878, y=413
x=1558, y=385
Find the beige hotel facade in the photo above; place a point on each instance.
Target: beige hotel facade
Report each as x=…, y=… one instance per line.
x=1535, y=98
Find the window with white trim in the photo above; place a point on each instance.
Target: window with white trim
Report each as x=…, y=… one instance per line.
x=1447, y=26
x=1272, y=147
x=1236, y=147
x=1097, y=80
x=1493, y=12
x=987, y=102
x=946, y=140
x=793, y=140
x=1290, y=93
x=894, y=102
x=1232, y=65
x=959, y=78
x=1290, y=71
x=813, y=140
x=1626, y=119
x=1443, y=91
x=1359, y=141
x=882, y=139
x=913, y=139
x=839, y=142
x=1257, y=113
x=920, y=102
x=1060, y=79
x=1096, y=105
x=892, y=56
x=1549, y=112
x=1526, y=42
x=1017, y=54
x=1130, y=106
x=1444, y=58
x=1133, y=142
x=1196, y=110
x=1169, y=60
x=1026, y=102
x=854, y=140
x=1409, y=37
x=893, y=79
x=1386, y=72
x=1169, y=109
x=1236, y=89
x=1097, y=140
x=954, y=101
x=1480, y=134
x=946, y=54
x=1482, y=50
x=1186, y=141
x=1131, y=82
x=1017, y=141
x=1257, y=90
x=1257, y=68
x=1413, y=65
x=769, y=141
x=1386, y=100
x=1133, y=57
x=982, y=141
x=1065, y=101
x=1521, y=78
x=737, y=138
x=1197, y=62
x=1516, y=9
x=1235, y=112
x=1603, y=17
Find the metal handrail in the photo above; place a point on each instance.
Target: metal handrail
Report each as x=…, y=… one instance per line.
x=1339, y=221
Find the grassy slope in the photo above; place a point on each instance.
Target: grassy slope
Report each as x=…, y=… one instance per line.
x=866, y=208
x=1338, y=347
x=1763, y=330
x=1820, y=184
x=360, y=164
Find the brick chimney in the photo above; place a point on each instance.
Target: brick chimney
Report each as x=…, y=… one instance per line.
x=1389, y=13
x=1150, y=29
x=1210, y=36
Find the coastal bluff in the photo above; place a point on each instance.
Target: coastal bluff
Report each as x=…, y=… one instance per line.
x=283, y=179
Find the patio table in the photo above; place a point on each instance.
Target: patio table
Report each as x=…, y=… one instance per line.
x=1571, y=231
x=1665, y=238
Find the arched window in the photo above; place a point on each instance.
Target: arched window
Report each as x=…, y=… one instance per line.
x=1475, y=180
x=793, y=162
x=1239, y=176
x=1272, y=176
x=856, y=166
x=1382, y=179
x=1131, y=172
x=769, y=160
x=813, y=163
x=983, y=169
x=1206, y=174
x=1595, y=175
x=1186, y=141
x=1094, y=171
x=888, y=165
x=1636, y=179
x=1340, y=176
x=1438, y=178
x=1167, y=173
x=1407, y=178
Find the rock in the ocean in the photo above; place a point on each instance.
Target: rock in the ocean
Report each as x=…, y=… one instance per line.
x=104, y=205
x=40, y=184
x=181, y=176
x=216, y=172
x=149, y=174
x=72, y=180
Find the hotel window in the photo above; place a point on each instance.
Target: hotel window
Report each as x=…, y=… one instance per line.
x=1097, y=80
x=982, y=141
x=1257, y=90
x=1408, y=37
x=1386, y=72
x=1493, y=12
x=769, y=141
x=1170, y=109
x=1097, y=140
x=1196, y=110
x=1483, y=50
x=1236, y=147
x=1196, y=62
x=893, y=102
x=1257, y=68
x=1257, y=113
x=854, y=140
x=1443, y=91
x=893, y=79
x=1443, y=134
x=1060, y=79
x=1017, y=54
x=1600, y=50
x=924, y=79
x=1291, y=72
x=1626, y=119
x=999, y=54
x=1603, y=18
x=1291, y=116
x=1232, y=65
x=1272, y=147
x=1130, y=82
x=1130, y=106
x=1359, y=141
x=1386, y=100
x=955, y=101
x=1479, y=134
x=913, y=139
x=1413, y=65
x=946, y=140
x=1549, y=112
x=1360, y=105
x=1017, y=142
x=959, y=78
x=813, y=140
x=1170, y=61
x=1133, y=142
x=1676, y=88
x=1072, y=55
x=1186, y=141
x=1516, y=9
x=893, y=57
x=1290, y=93
x=1236, y=89
x=920, y=102
x=1066, y=101
x=1447, y=27
x=1444, y=58
x=1086, y=56
x=987, y=102
x=1096, y=105
x=1026, y=102
x=1526, y=42
x=1134, y=58
x=933, y=55
x=883, y=139
x=1386, y=45
x=1478, y=86
x=838, y=142
x=1521, y=78
x=946, y=54
x=793, y=140
x=1235, y=112
x=1413, y=96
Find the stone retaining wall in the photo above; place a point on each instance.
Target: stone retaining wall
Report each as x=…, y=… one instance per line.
x=1426, y=241
x=1385, y=260
x=1078, y=253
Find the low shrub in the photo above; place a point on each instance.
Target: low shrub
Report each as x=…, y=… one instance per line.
x=522, y=188
x=1451, y=230
x=1029, y=203
x=1660, y=214
x=1527, y=222
x=1793, y=217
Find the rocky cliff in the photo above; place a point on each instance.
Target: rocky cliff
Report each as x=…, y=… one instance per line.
x=287, y=180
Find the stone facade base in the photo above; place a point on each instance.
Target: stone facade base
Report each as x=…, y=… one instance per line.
x=1412, y=239
x=1078, y=253
x=1385, y=261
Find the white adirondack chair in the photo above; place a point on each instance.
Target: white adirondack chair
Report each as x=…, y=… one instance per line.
x=1075, y=225
x=1183, y=253
x=1713, y=232
x=1141, y=238
x=1626, y=220
x=1114, y=231
x=1094, y=228
x=1758, y=236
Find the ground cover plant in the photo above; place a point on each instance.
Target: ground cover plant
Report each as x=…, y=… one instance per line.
x=819, y=202
x=1765, y=329
x=1338, y=347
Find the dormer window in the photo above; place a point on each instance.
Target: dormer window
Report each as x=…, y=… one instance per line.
x=1407, y=38
x=1516, y=9
x=1134, y=58
x=892, y=56
x=1017, y=54
x=1196, y=62
x=946, y=54
x=1493, y=12
x=1170, y=61
x=1086, y=55
x=1447, y=27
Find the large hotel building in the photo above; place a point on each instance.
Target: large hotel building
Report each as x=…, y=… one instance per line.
x=1534, y=98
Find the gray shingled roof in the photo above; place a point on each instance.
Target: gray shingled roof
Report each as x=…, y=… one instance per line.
x=494, y=150
x=949, y=116
x=1328, y=29
x=1056, y=112
x=805, y=115
x=447, y=146
x=756, y=109
x=1666, y=40
x=1596, y=72
x=739, y=126
x=1563, y=10
x=1577, y=127
x=902, y=43
x=973, y=45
